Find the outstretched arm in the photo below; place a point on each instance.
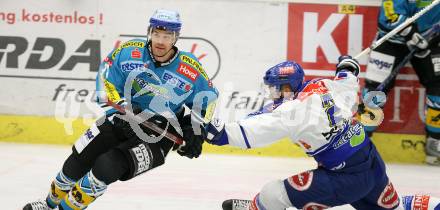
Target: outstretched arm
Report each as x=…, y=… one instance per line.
x=256, y=131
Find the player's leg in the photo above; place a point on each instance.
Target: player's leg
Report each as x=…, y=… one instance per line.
x=416, y=202
x=384, y=196
x=125, y=162
x=388, y=194
x=316, y=189
x=382, y=61
x=95, y=141
x=428, y=71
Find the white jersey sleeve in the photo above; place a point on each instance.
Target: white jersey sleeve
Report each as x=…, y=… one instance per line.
x=259, y=130
x=322, y=106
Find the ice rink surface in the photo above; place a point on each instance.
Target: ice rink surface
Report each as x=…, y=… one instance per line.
x=181, y=184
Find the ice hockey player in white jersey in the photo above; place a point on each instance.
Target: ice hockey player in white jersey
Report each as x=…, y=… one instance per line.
x=321, y=120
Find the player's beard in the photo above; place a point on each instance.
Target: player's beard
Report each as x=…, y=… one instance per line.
x=161, y=52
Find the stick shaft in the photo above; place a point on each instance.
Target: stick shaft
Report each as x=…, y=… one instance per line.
x=147, y=124
x=396, y=30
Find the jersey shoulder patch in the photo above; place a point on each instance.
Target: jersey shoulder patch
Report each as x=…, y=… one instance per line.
x=133, y=47
x=311, y=87
x=189, y=60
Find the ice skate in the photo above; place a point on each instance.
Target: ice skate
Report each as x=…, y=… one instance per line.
x=37, y=205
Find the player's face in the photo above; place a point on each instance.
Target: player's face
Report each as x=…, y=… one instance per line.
x=162, y=42
x=284, y=92
x=274, y=92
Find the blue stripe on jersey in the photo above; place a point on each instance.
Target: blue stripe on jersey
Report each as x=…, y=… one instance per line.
x=337, y=134
x=245, y=137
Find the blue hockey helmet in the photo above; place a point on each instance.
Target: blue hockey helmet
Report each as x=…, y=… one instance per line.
x=166, y=20
x=288, y=72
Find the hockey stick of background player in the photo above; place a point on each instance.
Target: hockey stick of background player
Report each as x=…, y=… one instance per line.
x=397, y=29
x=405, y=60
x=147, y=124
x=395, y=71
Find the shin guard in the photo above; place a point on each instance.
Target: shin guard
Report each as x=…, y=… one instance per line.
x=85, y=191
x=59, y=189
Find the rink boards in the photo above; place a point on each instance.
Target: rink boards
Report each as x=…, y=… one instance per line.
x=49, y=56
x=46, y=130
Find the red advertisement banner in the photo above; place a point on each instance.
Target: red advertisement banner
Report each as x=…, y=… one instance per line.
x=319, y=34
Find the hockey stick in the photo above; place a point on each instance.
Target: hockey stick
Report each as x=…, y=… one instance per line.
x=397, y=29
x=405, y=60
x=147, y=124
x=396, y=71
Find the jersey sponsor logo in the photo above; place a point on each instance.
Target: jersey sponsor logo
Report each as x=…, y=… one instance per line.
x=388, y=198
x=144, y=87
x=187, y=71
x=388, y=9
x=136, y=53
x=138, y=44
x=131, y=65
x=355, y=135
x=176, y=81
x=111, y=92
x=195, y=64
x=314, y=206
x=301, y=181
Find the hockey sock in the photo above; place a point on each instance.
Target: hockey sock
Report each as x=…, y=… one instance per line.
x=58, y=189
x=420, y=202
x=256, y=204
x=85, y=191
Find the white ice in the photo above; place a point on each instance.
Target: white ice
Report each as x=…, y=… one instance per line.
x=181, y=184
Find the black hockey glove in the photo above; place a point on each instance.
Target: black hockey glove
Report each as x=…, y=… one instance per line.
x=347, y=63
x=125, y=128
x=193, y=141
x=415, y=40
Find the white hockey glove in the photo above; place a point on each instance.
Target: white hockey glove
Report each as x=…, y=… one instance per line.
x=347, y=63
